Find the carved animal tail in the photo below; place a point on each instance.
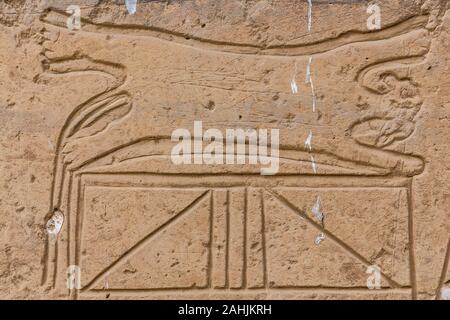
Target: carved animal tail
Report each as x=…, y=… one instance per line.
x=89, y=118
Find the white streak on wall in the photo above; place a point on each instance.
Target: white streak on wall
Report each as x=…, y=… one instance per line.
x=445, y=293
x=131, y=6
x=313, y=94
x=74, y=20
x=309, y=140
x=308, y=70
x=309, y=15
x=319, y=215
x=317, y=210
x=294, y=87
x=313, y=163
x=54, y=224
x=310, y=81
x=319, y=238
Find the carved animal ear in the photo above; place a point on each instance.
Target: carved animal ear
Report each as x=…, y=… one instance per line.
x=380, y=132
x=101, y=114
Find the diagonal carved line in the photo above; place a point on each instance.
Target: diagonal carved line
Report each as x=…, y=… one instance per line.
x=345, y=246
x=143, y=242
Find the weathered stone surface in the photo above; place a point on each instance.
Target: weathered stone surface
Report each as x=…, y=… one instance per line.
x=87, y=178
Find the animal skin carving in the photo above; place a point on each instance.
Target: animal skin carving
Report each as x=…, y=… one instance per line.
x=389, y=118
x=353, y=123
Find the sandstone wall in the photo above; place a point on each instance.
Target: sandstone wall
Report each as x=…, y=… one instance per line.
x=89, y=190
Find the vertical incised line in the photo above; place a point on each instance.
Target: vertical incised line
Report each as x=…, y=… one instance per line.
x=211, y=239
x=411, y=241
x=227, y=249
x=244, y=268
x=263, y=238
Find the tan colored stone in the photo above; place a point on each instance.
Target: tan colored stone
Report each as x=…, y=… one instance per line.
x=363, y=119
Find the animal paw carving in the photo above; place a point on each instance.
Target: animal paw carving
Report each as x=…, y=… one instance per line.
x=96, y=119
x=57, y=45
x=390, y=116
x=382, y=132
x=72, y=154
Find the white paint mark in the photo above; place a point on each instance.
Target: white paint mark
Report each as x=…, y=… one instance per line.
x=106, y=283
x=319, y=238
x=445, y=293
x=313, y=163
x=294, y=86
x=74, y=20
x=317, y=210
x=318, y=214
x=310, y=81
x=54, y=224
x=313, y=94
x=308, y=141
x=374, y=280
x=131, y=6
x=308, y=71
x=309, y=15
x=73, y=277
x=374, y=20
x=50, y=145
